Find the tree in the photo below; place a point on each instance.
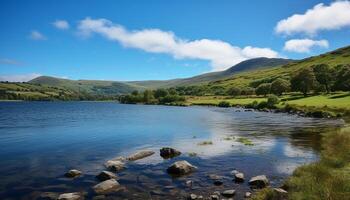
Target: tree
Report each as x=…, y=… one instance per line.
x=248, y=91
x=303, y=81
x=234, y=91
x=342, y=78
x=148, y=96
x=279, y=86
x=263, y=89
x=160, y=93
x=272, y=100
x=323, y=75
x=135, y=93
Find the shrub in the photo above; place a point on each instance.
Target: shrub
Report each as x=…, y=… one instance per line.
x=234, y=91
x=263, y=89
x=224, y=104
x=272, y=100
x=279, y=86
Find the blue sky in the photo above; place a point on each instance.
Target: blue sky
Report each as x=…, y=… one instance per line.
x=143, y=40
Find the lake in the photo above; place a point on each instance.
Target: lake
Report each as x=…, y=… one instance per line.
x=40, y=141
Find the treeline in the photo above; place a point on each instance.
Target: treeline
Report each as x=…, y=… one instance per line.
x=160, y=96
x=318, y=79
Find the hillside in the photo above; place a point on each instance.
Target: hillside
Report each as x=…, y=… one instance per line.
x=255, y=77
x=247, y=65
x=94, y=87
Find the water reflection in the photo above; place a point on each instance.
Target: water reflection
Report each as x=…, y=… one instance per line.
x=40, y=141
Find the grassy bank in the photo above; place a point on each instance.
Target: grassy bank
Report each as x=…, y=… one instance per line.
x=335, y=104
x=327, y=179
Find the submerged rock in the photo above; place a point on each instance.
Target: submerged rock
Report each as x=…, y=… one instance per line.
x=181, y=168
x=192, y=197
x=106, y=175
x=48, y=196
x=140, y=155
x=71, y=196
x=167, y=152
x=189, y=183
x=214, y=197
x=106, y=187
x=73, y=173
x=228, y=193
x=239, y=177
x=115, y=165
x=259, y=181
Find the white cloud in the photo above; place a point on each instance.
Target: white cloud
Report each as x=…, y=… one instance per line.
x=61, y=24
x=320, y=17
x=19, y=77
x=221, y=55
x=304, y=45
x=36, y=35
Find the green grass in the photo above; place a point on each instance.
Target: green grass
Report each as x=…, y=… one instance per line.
x=245, y=141
x=205, y=143
x=215, y=100
x=327, y=179
x=323, y=100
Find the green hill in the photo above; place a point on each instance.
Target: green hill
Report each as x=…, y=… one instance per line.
x=94, y=87
x=248, y=65
x=255, y=77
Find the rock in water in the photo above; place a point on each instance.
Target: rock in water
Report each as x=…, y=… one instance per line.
x=71, y=196
x=181, y=168
x=48, y=196
x=167, y=152
x=247, y=195
x=228, y=193
x=140, y=155
x=73, y=173
x=105, y=175
x=259, y=181
x=107, y=187
x=192, y=197
x=239, y=177
x=114, y=165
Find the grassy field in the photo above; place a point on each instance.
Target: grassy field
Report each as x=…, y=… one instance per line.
x=335, y=103
x=215, y=100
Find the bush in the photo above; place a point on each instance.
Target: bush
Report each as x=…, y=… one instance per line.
x=224, y=104
x=272, y=100
x=234, y=91
x=279, y=86
x=263, y=89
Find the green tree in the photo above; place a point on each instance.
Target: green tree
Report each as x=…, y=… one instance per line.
x=263, y=89
x=248, y=91
x=234, y=91
x=323, y=75
x=279, y=86
x=160, y=93
x=342, y=78
x=148, y=96
x=135, y=93
x=303, y=81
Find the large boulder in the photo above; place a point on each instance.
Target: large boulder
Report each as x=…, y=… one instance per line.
x=107, y=187
x=140, y=154
x=259, y=181
x=167, y=152
x=106, y=175
x=73, y=173
x=71, y=196
x=181, y=168
x=115, y=165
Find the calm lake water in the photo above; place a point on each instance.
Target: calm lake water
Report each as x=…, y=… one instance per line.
x=40, y=141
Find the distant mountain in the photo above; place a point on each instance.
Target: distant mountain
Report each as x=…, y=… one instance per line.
x=88, y=86
x=247, y=65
